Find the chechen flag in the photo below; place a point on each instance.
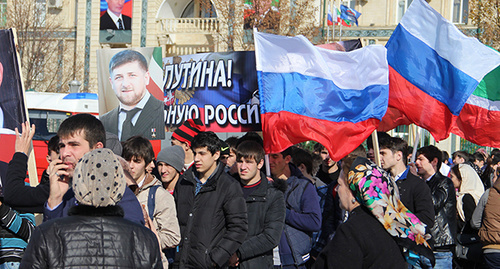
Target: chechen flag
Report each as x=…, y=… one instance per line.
x=433, y=70
x=309, y=93
x=479, y=120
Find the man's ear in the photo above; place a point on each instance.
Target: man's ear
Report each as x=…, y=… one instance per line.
x=48, y=158
x=99, y=145
x=216, y=155
x=288, y=158
x=302, y=167
x=399, y=156
x=434, y=162
x=260, y=164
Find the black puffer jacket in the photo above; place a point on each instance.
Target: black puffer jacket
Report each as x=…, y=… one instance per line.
x=92, y=238
x=444, y=199
x=266, y=218
x=213, y=223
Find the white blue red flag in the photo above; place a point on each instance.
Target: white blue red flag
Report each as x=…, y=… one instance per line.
x=433, y=70
x=309, y=93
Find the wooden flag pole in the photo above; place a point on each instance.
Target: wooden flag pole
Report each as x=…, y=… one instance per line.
x=268, y=168
x=376, y=150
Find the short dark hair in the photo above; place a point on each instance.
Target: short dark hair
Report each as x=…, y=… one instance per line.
x=232, y=142
x=138, y=147
x=478, y=156
x=395, y=144
x=461, y=154
x=287, y=152
x=301, y=156
x=207, y=139
x=348, y=160
x=53, y=145
x=445, y=156
x=380, y=136
x=431, y=152
x=250, y=149
x=125, y=57
x=92, y=128
x=252, y=136
x=318, y=147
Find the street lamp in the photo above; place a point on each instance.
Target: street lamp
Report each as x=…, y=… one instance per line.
x=74, y=86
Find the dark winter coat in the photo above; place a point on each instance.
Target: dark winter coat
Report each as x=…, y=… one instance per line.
x=266, y=218
x=92, y=238
x=444, y=199
x=213, y=223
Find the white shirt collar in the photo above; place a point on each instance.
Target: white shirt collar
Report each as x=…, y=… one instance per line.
x=430, y=177
x=115, y=18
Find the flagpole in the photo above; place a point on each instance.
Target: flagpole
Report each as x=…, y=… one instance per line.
x=334, y=21
x=268, y=168
x=376, y=150
x=340, y=31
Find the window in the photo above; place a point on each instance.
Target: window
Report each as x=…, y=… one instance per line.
x=460, y=11
x=3, y=13
x=349, y=3
x=402, y=7
x=204, y=12
x=40, y=13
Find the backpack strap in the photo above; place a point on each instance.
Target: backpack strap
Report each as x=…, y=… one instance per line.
x=151, y=200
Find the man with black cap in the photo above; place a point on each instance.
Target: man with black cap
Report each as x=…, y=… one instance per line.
x=170, y=162
x=183, y=136
x=95, y=234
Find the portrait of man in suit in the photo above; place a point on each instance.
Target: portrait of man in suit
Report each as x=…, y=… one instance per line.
x=139, y=112
x=113, y=17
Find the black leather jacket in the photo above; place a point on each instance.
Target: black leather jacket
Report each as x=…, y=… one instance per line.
x=92, y=238
x=444, y=199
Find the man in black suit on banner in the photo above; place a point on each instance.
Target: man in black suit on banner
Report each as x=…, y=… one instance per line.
x=113, y=17
x=139, y=112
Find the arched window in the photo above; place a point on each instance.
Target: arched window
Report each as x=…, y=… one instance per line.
x=203, y=9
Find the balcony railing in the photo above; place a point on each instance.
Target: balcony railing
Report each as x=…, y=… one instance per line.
x=188, y=25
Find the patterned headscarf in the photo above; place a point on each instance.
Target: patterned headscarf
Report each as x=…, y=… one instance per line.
x=99, y=179
x=376, y=190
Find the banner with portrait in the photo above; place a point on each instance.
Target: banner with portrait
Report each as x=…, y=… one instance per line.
x=115, y=21
x=219, y=88
x=129, y=90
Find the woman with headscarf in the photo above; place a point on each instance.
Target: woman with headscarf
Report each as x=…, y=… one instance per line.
x=380, y=231
x=469, y=190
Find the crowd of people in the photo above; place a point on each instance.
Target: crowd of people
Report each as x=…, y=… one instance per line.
x=207, y=203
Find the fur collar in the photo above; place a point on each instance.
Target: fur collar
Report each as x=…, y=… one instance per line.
x=85, y=210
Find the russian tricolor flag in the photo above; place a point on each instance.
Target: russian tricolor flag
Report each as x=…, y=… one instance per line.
x=309, y=93
x=329, y=20
x=433, y=69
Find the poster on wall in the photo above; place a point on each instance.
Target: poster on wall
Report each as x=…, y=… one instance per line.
x=130, y=95
x=115, y=22
x=12, y=107
x=219, y=88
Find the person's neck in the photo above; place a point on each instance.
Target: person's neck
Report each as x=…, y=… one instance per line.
x=310, y=177
x=353, y=206
x=332, y=169
x=285, y=174
x=252, y=181
x=397, y=169
x=427, y=175
x=170, y=186
x=204, y=177
x=189, y=158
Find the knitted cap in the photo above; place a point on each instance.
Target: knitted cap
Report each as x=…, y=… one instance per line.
x=189, y=129
x=98, y=179
x=173, y=156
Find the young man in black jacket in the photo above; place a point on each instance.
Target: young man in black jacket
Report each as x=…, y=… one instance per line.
x=211, y=210
x=444, y=230
x=413, y=191
x=266, y=209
